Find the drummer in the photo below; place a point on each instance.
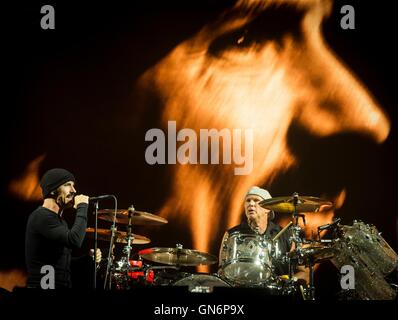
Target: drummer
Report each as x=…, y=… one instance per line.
x=259, y=221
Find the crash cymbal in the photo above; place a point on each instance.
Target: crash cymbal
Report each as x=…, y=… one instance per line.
x=304, y=204
x=138, y=217
x=120, y=236
x=177, y=257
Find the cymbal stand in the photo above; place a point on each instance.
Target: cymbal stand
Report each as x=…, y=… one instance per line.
x=130, y=236
x=179, y=249
x=297, y=230
x=130, y=240
x=298, y=240
x=108, y=274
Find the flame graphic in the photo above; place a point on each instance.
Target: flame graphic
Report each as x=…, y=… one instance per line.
x=27, y=186
x=264, y=86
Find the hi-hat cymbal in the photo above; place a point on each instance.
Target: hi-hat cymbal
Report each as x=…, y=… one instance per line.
x=304, y=204
x=315, y=254
x=137, y=218
x=120, y=236
x=178, y=257
x=319, y=254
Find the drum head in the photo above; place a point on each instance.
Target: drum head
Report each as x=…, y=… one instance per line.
x=246, y=259
x=246, y=273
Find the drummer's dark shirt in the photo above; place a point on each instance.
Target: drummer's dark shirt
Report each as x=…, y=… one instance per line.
x=49, y=241
x=272, y=230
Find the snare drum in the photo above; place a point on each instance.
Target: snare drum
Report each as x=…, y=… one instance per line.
x=246, y=259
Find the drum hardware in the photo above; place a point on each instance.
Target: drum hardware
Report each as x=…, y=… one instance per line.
x=327, y=226
x=302, y=204
x=128, y=247
x=121, y=271
x=130, y=236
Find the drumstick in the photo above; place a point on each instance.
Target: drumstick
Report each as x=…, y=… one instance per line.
x=282, y=231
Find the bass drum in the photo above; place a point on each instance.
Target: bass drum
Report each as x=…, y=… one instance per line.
x=201, y=282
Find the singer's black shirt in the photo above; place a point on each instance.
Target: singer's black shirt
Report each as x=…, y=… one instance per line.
x=49, y=241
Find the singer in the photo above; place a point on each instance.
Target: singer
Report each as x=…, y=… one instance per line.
x=49, y=241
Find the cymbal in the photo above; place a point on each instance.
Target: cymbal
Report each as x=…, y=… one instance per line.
x=304, y=204
x=120, y=236
x=138, y=217
x=319, y=254
x=179, y=257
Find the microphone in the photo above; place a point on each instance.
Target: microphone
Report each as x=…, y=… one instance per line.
x=106, y=196
x=329, y=225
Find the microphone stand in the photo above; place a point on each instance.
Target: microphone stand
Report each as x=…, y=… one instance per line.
x=95, y=243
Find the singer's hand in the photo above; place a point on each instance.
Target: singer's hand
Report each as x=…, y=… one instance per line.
x=98, y=256
x=80, y=199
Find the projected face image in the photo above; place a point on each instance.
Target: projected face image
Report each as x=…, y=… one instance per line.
x=265, y=66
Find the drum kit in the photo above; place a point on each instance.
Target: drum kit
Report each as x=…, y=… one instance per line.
x=250, y=260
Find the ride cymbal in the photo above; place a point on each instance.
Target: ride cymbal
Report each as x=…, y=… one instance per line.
x=304, y=204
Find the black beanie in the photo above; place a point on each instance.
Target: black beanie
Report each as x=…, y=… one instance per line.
x=54, y=178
